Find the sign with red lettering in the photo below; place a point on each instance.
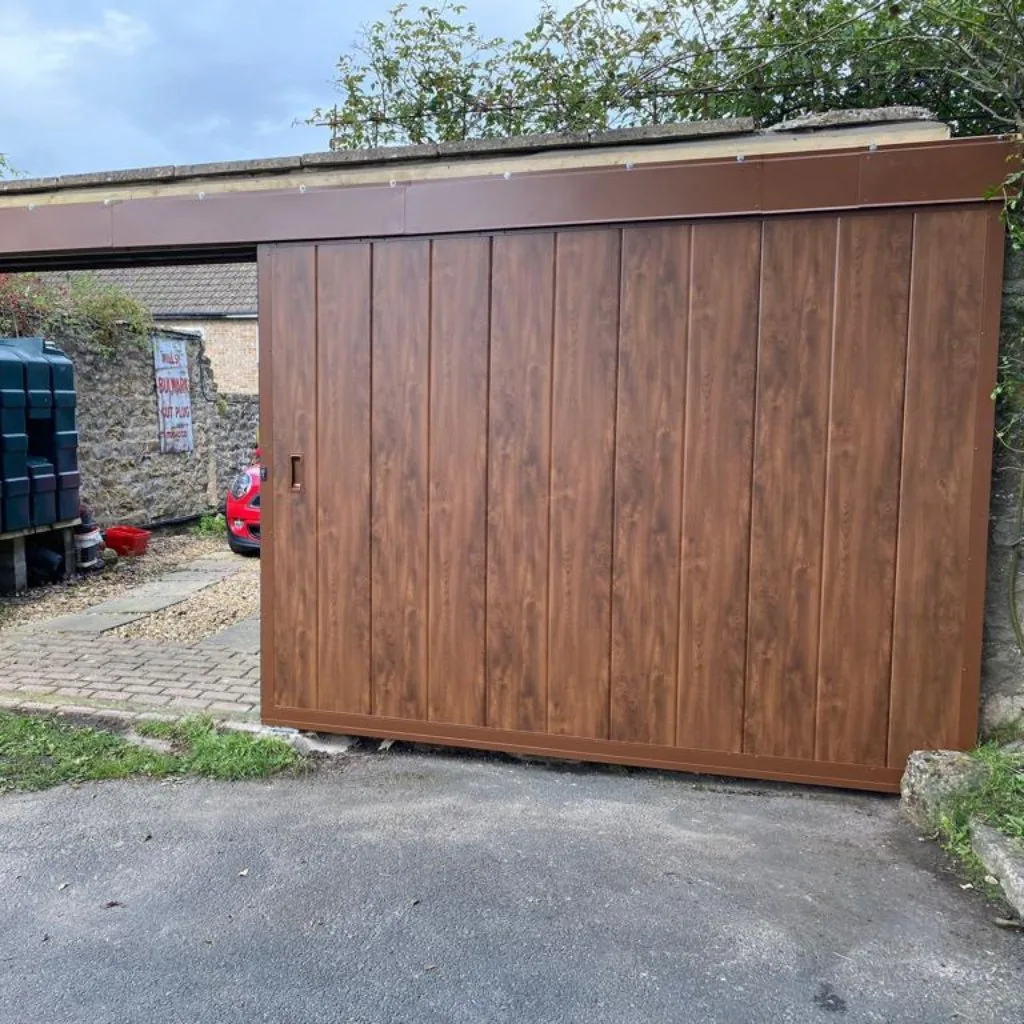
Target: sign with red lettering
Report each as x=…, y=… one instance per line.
x=173, y=395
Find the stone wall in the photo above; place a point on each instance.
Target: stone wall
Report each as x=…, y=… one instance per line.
x=125, y=477
x=232, y=344
x=1002, y=674
x=237, y=422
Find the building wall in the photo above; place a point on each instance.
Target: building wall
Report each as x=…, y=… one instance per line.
x=232, y=345
x=125, y=477
x=1003, y=665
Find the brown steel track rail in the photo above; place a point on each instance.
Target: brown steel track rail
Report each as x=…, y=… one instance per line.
x=228, y=226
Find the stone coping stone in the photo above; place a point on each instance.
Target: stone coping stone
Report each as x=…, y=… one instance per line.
x=851, y=118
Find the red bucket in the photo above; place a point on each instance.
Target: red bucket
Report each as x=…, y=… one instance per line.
x=127, y=540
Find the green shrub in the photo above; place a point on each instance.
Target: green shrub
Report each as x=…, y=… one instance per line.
x=213, y=524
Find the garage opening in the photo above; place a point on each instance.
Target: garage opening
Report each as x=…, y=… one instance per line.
x=674, y=457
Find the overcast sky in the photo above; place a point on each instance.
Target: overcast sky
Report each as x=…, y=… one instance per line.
x=89, y=85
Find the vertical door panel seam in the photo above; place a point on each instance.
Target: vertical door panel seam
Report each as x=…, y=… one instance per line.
x=899, y=486
x=429, y=479
x=372, y=251
x=753, y=467
x=551, y=470
x=487, y=474
x=615, y=455
x=825, y=482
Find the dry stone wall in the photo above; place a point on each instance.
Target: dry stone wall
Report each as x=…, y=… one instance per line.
x=1002, y=674
x=125, y=476
x=238, y=420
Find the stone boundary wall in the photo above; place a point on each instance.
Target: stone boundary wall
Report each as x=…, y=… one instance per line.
x=125, y=477
x=1002, y=670
x=238, y=419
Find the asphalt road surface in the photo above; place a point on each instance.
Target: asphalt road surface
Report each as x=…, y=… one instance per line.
x=412, y=887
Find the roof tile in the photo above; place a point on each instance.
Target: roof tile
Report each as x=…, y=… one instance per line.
x=194, y=290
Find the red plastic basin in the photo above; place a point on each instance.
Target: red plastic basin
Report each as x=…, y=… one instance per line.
x=127, y=540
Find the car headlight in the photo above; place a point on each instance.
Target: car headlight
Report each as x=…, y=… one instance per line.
x=241, y=487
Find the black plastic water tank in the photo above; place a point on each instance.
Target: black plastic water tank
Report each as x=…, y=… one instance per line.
x=38, y=437
x=62, y=385
x=17, y=510
x=13, y=435
x=42, y=491
x=38, y=388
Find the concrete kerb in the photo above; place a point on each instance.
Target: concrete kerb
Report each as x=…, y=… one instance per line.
x=1003, y=859
x=313, y=745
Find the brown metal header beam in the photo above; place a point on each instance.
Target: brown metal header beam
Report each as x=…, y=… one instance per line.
x=230, y=225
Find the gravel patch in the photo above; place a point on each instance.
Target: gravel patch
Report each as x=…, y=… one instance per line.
x=166, y=552
x=203, y=614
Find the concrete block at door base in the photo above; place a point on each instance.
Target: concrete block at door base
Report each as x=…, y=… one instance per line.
x=322, y=744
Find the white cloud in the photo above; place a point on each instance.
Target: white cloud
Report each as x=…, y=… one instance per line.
x=35, y=55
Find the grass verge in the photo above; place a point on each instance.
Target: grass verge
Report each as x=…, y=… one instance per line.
x=36, y=753
x=223, y=755
x=998, y=802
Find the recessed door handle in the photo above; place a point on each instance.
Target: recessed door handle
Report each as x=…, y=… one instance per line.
x=296, y=461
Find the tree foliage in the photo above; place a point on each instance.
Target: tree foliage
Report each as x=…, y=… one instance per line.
x=431, y=76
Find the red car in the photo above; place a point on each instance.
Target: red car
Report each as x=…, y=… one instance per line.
x=242, y=511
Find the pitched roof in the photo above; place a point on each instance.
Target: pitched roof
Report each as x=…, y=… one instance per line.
x=189, y=291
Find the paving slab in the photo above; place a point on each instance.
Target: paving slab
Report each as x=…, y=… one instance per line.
x=89, y=622
x=227, y=566
x=242, y=636
x=187, y=576
x=151, y=598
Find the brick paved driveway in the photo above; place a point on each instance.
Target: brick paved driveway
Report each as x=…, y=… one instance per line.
x=136, y=675
x=75, y=662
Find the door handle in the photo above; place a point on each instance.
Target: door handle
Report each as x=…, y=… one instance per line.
x=296, y=461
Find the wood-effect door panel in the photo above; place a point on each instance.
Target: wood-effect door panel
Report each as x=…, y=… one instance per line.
x=290, y=506
x=519, y=459
x=720, y=375
x=648, y=475
x=862, y=494
x=459, y=332
x=932, y=563
x=399, y=557
x=343, y=522
x=582, y=466
x=790, y=436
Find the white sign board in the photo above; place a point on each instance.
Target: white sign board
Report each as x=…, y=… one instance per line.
x=174, y=399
